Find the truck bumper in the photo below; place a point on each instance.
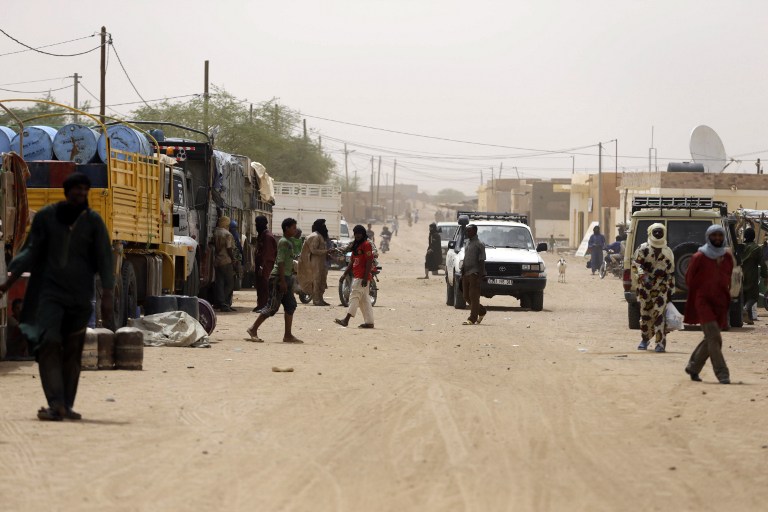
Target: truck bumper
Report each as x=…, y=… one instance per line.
x=521, y=286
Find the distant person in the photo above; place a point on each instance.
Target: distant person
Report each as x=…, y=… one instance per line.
x=655, y=285
x=395, y=225
x=616, y=250
x=551, y=247
x=416, y=216
x=754, y=268
x=237, y=253
x=472, y=273
x=595, y=246
x=223, y=264
x=280, y=287
x=360, y=267
x=313, y=273
x=434, y=256
x=266, y=252
x=370, y=234
x=67, y=246
x=709, y=298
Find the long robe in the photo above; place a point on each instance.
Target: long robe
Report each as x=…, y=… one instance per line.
x=434, y=256
x=312, y=271
x=656, y=282
x=753, y=266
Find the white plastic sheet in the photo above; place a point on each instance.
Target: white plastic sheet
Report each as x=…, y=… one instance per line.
x=172, y=329
x=674, y=320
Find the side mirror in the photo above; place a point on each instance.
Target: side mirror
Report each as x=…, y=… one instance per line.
x=542, y=247
x=452, y=244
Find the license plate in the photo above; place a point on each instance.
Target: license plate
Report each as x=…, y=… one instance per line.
x=505, y=282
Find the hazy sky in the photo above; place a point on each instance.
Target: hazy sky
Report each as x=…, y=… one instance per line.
x=537, y=75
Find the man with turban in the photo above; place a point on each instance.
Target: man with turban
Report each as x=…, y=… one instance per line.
x=655, y=284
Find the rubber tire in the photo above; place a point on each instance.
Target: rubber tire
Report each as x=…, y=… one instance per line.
x=130, y=292
x=683, y=254
x=537, y=301
x=192, y=285
x=344, y=287
x=448, y=293
x=305, y=298
x=735, y=308
x=458, y=296
x=373, y=291
x=525, y=301
x=603, y=269
x=633, y=315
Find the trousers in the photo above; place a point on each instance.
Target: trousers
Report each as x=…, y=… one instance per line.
x=711, y=347
x=470, y=284
x=358, y=297
x=224, y=285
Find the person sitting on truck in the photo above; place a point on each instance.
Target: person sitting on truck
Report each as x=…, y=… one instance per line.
x=266, y=252
x=280, y=287
x=67, y=245
x=223, y=264
x=313, y=273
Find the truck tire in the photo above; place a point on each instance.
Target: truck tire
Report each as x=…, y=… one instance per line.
x=735, y=308
x=525, y=301
x=130, y=292
x=537, y=301
x=633, y=315
x=192, y=285
x=683, y=254
x=448, y=293
x=344, y=288
x=458, y=296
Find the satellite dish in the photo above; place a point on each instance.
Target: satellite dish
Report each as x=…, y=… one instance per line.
x=707, y=149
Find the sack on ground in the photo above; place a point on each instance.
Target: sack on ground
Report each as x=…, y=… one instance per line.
x=674, y=320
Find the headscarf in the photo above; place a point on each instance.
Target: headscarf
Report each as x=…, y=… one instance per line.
x=709, y=250
x=433, y=228
x=262, y=223
x=320, y=227
x=657, y=243
x=223, y=222
x=749, y=235
x=357, y=243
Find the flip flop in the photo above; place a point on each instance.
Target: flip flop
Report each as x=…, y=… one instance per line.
x=467, y=322
x=48, y=414
x=340, y=322
x=254, y=339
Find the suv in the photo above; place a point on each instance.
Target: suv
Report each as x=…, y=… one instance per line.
x=447, y=231
x=513, y=265
x=687, y=220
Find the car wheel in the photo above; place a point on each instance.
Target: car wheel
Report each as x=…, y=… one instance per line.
x=735, y=309
x=683, y=254
x=537, y=301
x=448, y=293
x=458, y=297
x=633, y=314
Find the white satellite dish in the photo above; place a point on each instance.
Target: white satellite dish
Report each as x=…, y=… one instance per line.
x=707, y=149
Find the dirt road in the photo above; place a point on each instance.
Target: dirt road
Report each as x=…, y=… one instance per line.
x=527, y=412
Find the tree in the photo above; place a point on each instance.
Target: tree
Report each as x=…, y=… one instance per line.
x=265, y=133
x=450, y=195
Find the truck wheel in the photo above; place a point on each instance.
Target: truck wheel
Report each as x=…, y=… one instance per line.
x=458, y=297
x=130, y=292
x=344, y=288
x=192, y=285
x=735, y=308
x=633, y=314
x=448, y=293
x=537, y=301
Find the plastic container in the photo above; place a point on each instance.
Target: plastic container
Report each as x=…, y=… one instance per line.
x=106, y=342
x=76, y=143
x=129, y=349
x=90, y=357
x=38, y=143
x=126, y=139
x=6, y=136
x=160, y=304
x=189, y=305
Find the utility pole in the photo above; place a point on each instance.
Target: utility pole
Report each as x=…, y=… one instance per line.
x=378, y=183
x=394, y=182
x=354, y=203
x=320, y=142
x=103, y=75
x=573, y=164
x=616, y=161
x=600, y=185
x=74, y=103
x=251, y=114
x=372, y=182
x=501, y=166
x=346, y=174
x=305, y=130
x=206, y=97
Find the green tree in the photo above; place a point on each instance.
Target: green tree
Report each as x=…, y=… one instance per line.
x=450, y=195
x=266, y=133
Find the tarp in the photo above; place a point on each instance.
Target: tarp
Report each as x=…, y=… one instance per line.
x=172, y=329
x=582, y=250
x=266, y=183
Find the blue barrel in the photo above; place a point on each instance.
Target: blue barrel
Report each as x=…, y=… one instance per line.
x=38, y=143
x=6, y=136
x=124, y=138
x=76, y=143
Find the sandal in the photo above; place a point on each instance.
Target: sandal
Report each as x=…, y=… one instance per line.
x=48, y=414
x=365, y=326
x=467, y=322
x=341, y=322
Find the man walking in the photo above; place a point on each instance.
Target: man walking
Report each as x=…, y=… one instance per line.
x=313, y=272
x=360, y=267
x=266, y=252
x=67, y=245
x=709, y=282
x=472, y=273
x=754, y=268
x=280, y=287
x=595, y=245
x=656, y=282
x=223, y=263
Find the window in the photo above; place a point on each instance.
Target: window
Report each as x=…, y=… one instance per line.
x=515, y=237
x=679, y=231
x=447, y=232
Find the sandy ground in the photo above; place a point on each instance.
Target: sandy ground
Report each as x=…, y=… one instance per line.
x=529, y=411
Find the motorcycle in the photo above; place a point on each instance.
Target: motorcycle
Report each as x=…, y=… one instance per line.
x=384, y=246
x=613, y=265
x=345, y=285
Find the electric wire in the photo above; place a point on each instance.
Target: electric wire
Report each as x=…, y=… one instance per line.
x=36, y=81
x=98, y=100
x=38, y=50
x=38, y=92
x=120, y=61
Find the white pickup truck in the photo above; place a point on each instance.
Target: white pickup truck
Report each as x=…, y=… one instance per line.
x=512, y=266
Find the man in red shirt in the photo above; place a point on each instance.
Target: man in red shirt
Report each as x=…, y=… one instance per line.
x=709, y=282
x=266, y=253
x=360, y=267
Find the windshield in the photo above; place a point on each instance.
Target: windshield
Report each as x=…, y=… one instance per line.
x=345, y=231
x=516, y=237
x=447, y=232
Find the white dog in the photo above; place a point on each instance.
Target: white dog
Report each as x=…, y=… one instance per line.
x=561, y=266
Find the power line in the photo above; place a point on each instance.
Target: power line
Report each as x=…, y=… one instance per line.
x=31, y=48
x=119, y=60
x=38, y=92
x=98, y=100
x=37, y=81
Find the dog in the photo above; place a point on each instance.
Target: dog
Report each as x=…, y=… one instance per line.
x=561, y=266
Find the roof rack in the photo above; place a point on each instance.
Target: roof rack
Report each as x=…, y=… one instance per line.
x=678, y=203
x=513, y=217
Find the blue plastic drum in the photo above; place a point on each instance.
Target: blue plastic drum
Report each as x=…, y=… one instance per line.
x=126, y=139
x=76, y=143
x=38, y=143
x=6, y=136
